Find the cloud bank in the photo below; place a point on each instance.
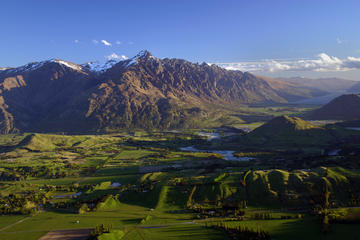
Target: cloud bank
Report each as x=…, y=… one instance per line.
x=323, y=63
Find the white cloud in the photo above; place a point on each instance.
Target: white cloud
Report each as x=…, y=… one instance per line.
x=323, y=63
x=118, y=42
x=106, y=43
x=76, y=41
x=114, y=56
x=95, y=41
x=352, y=63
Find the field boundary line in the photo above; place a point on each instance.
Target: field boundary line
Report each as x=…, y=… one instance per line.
x=13, y=224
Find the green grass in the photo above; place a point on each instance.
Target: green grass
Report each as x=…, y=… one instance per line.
x=123, y=215
x=300, y=229
x=7, y=220
x=148, y=199
x=113, y=235
x=132, y=154
x=162, y=202
x=110, y=203
x=28, y=235
x=175, y=232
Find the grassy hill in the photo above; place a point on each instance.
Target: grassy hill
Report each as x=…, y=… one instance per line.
x=50, y=142
x=285, y=131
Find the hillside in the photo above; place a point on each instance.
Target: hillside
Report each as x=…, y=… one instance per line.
x=288, y=131
x=49, y=142
x=141, y=92
x=345, y=107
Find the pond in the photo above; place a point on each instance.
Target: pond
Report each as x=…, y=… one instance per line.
x=210, y=135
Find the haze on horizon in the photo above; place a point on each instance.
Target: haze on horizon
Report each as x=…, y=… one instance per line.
x=272, y=38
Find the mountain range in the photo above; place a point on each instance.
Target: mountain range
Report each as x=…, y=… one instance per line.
x=333, y=86
x=141, y=92
x=324, y=84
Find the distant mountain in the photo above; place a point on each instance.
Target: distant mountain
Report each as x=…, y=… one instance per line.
x=355, y=88
x=141, y=92
x=333, y=86
x=293, y=91
x=345, y=107
x=324, y=84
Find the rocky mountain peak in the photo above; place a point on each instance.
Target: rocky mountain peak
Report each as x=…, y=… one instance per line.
x=144, y=54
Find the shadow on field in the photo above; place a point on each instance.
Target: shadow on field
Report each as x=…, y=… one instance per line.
x=193, y=232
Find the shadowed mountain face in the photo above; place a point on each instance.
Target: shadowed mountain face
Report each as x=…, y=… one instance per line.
x=143, y=92
x=345, y=107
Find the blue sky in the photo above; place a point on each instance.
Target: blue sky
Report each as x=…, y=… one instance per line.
x=216, y=31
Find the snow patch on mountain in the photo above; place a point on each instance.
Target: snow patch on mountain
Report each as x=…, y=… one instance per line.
x=28, y=67
x=144, y=54
x=97, y=66
x=67, y=64
x=35, y=65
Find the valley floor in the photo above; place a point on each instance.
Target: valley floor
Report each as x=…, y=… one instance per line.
x=142, y=186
